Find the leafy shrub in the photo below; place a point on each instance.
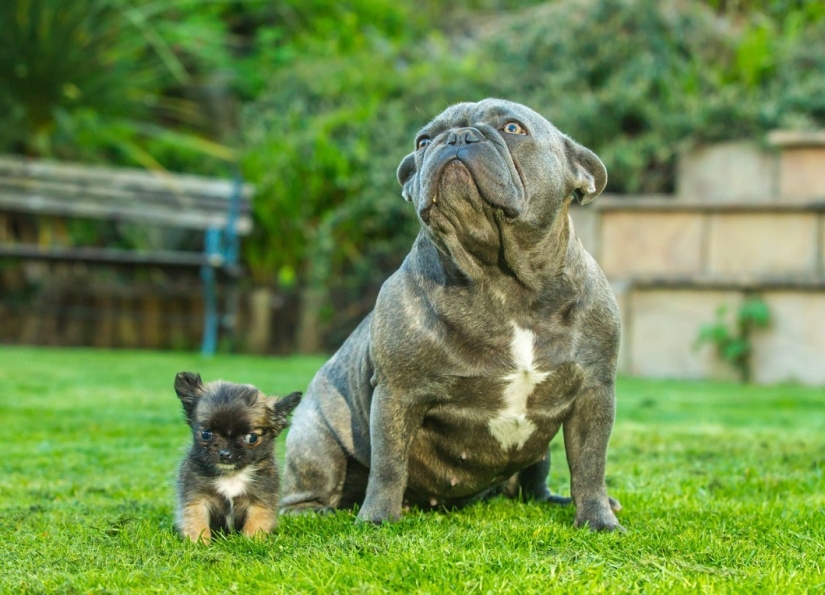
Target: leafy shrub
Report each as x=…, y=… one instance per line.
x=323, y=143
x=733, y=342
x=639, y=80
x=635, y=80
x=331, y=94
x=105, y=81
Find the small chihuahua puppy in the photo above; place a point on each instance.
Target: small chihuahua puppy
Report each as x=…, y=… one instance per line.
x=228, y=480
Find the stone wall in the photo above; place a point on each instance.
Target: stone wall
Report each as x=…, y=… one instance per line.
x=673, y=261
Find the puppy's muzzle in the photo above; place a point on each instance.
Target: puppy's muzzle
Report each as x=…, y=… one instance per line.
x=225, y=455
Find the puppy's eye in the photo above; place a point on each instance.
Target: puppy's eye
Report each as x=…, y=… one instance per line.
x=206, y=435
x=251, y=439
x=514, y=128
x=423, y=142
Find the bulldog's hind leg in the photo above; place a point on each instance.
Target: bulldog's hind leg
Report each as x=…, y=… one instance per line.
x=532, y=483
x=315, y=467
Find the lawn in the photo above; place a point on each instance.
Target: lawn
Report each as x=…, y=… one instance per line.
x=722, y=487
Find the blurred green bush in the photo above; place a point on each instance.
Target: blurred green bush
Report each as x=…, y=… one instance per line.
x=636, y=80
x=109, y=81
x=319, y=100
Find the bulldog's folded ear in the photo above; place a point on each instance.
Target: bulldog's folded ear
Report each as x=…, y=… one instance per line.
x=405, y=176
x=586, y=173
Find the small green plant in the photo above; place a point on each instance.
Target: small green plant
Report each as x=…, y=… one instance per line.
x=733, y=341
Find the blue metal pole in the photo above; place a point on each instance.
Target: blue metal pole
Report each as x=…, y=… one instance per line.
x=210, y=323
x=231, y=239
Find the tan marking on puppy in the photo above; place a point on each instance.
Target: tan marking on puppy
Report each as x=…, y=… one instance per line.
x=259, y=521
x=194, y=521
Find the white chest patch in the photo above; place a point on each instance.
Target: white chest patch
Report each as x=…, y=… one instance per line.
x=511, y=426
x=232, y=486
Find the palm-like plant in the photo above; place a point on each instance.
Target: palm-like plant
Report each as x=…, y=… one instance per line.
x=93, y=80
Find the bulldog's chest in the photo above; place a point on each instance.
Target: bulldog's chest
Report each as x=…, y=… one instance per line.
x=510, y=424
x=525, y=395
x=489, y=426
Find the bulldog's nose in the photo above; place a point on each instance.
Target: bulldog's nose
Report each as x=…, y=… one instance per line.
x=425, y=214
x=464, y=136
x=225, y=455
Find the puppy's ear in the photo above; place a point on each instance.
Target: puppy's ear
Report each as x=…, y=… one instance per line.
x=405, y=176
x=282, y=408
x=189, y=388
x=586, y=174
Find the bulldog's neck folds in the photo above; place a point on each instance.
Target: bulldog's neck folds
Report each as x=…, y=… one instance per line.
x=529, y=255
x=538, y=254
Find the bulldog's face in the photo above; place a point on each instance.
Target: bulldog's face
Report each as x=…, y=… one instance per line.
x=478, y=166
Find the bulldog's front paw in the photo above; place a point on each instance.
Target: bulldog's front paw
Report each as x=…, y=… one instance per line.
x=598, y=516
x=377, y=514
x=548, y=496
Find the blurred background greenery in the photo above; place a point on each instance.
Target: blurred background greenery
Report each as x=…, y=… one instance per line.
x=317, y=101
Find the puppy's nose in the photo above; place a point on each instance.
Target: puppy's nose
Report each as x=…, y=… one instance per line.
x=225, y=455
x=464, y=136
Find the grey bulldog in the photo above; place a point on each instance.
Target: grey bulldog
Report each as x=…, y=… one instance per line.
x=497, y=330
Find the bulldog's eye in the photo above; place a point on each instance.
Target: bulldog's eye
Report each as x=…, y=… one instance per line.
x=206, y=435
x=423, y=142
x=514, y=128
x=251, y=439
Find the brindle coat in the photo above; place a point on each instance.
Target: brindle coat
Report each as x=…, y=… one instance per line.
x=498, y=330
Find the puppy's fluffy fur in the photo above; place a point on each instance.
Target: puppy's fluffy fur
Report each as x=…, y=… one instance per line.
x=228, y=480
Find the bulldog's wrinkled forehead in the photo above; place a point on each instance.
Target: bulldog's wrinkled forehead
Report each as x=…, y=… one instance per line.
x=494, y=112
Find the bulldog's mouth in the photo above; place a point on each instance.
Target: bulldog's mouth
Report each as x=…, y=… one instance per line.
x=456, y=179
x=452, y=176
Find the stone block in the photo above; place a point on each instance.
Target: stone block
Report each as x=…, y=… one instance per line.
x=727, y=171
x=585, y=220
x=662, y=328
x=650, y=243
x=821, y=233
x=771, y=244
x=792, y=349
x=802, y=174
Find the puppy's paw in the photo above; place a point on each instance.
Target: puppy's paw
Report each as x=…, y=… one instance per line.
x=195, y=535
x=255, y=534
x=259, y=522
x=193, y=522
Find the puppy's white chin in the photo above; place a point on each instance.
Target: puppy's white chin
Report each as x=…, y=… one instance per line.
x=222, y=467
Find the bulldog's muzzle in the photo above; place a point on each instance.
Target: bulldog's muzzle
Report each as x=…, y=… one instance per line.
x=488, y=167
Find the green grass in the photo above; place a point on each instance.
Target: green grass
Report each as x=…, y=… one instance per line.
x=722, y=487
